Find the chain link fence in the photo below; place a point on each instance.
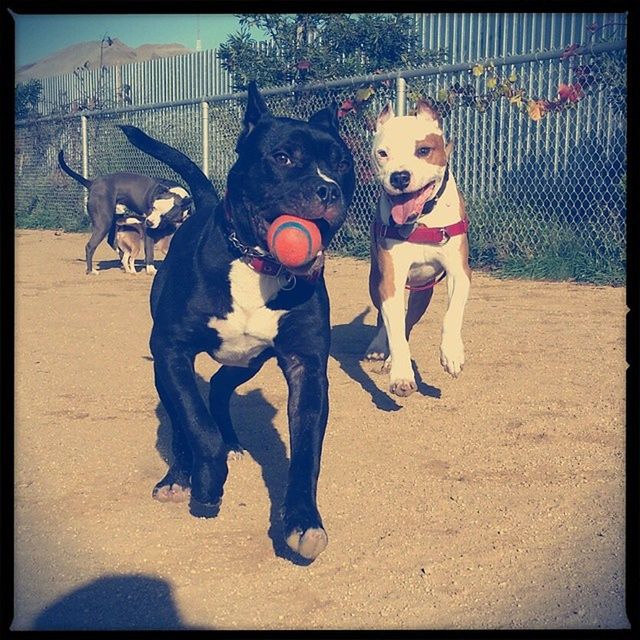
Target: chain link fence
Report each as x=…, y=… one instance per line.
x=539, y=154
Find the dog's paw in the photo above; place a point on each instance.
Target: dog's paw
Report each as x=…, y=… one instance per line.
x=171, y=493
x=93, y=272
x=402, y=380
x=403, y=387
x=375, y=355
x=204, y=509
x=309, y=544
x=378, y=349
x=452, y=356
x=235, y=453
x=151, y=270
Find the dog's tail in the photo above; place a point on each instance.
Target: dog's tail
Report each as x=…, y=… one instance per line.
x=69, y=171
x=202, y=191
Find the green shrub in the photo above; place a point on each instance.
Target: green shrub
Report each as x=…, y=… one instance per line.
x=527, y=243
x=48, y=206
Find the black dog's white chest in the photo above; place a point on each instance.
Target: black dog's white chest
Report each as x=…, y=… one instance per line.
x=250, y=327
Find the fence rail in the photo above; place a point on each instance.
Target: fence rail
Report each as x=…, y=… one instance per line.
x=537, y=190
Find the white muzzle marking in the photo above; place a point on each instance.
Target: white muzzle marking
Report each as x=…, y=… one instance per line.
x=161, y=207
x=326, y=178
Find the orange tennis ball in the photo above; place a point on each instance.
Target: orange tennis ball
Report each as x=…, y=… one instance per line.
x=293, y=241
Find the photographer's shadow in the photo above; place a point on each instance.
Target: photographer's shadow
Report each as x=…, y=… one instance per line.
x=252, y=417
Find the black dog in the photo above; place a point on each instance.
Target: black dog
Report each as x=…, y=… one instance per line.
x=159, y=201
x=219, y=291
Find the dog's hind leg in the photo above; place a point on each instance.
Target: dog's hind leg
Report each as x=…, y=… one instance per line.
x=416, y=308
x=378, y=348
x=124, y=259
x=101, y=228
x=221, y=387
x=101, y=209
x=135, y=252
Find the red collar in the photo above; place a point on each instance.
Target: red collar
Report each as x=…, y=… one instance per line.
x=269, y=266
x=423, y=235
x=265, y=265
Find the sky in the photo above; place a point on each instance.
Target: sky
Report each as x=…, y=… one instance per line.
x=38, y=36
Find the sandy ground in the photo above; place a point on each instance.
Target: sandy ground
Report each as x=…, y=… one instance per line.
x=491, y=501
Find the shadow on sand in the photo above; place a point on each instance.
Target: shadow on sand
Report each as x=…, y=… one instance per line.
x=114, y=602
x=348, y=344
x=252, y=418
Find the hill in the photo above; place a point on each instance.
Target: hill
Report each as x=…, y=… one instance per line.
x=87, y=55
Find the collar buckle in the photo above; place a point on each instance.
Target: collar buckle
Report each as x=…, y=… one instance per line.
x=445, y=236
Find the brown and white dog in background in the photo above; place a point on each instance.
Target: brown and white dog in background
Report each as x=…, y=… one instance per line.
x=418, y=236
x=128, y=233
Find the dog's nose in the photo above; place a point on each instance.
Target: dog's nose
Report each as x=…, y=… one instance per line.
x=400, y=179
x=328, y=193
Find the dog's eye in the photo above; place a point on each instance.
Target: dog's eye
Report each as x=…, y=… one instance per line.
x=381, y=153
x=344, y=166
x=282, y=159
x=422, y=152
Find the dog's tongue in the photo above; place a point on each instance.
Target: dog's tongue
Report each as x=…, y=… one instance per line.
x=409, y=205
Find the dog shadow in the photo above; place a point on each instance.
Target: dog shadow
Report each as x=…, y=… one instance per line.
x=103, y=265
x=252, y=417
x=348, y=344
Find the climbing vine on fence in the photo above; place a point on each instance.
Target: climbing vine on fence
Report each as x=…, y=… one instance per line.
x=490, y=83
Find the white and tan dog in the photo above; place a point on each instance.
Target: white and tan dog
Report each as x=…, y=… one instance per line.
x=419, y=235
x=131, y=231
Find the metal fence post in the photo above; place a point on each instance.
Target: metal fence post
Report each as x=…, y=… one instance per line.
x=401, y=96
x=205, y=138
x=85, y=155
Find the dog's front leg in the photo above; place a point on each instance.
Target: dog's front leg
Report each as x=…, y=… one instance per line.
x=308, y=410
x=402, y=381
x=149, y=250
x=193, y=424
x=458, y=285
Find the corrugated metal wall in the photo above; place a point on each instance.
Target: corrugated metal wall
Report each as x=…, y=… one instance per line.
x=465, y=36
x=186, y=77
x=475, y=36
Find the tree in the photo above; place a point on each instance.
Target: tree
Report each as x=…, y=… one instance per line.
x=27, y=98
x=307, y=47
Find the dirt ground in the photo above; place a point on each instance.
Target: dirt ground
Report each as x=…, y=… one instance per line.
x=492, y=501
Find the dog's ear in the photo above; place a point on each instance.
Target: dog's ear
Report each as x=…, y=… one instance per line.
x=386, y=114
x=256, y=110
x=188, y=207
x=448, y=148
x=425, y=109
x=256, y=107
x=327, y=118
x=158, y=190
